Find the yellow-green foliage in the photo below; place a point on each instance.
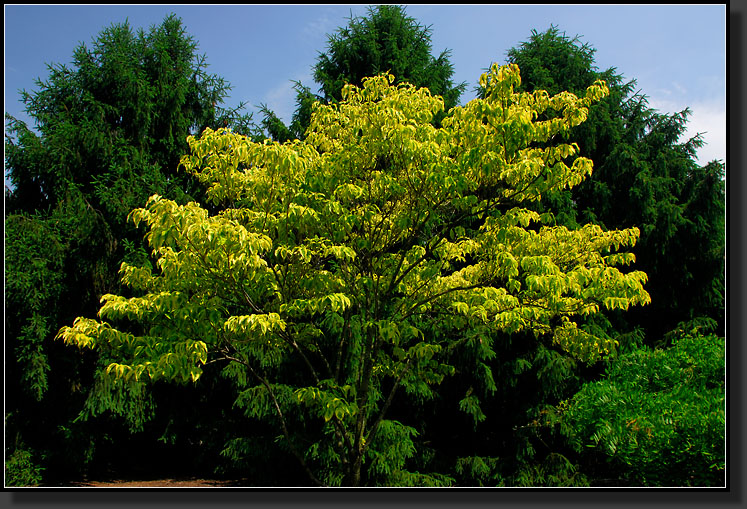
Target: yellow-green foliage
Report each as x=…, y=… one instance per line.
x=363, y=252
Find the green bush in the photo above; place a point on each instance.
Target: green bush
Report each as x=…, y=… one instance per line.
x=658, y=417
x=20, y=469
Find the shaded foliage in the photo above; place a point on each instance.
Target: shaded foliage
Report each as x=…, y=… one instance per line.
x=21, y=470
x=109, y=131
x=657, y=418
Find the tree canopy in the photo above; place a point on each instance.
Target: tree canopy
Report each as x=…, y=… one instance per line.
x=386, y=40
x=338, y=271
x=392, y=291
x=126, y=105
x=646, y=176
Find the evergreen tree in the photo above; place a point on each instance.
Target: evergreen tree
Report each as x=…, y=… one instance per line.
x=645, y=175
x=642, y=176
x=109, y=132
x=386, y=40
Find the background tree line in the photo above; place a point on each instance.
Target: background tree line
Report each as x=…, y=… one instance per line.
x=104, y=147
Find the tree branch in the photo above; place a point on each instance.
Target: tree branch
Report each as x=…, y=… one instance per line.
x=279, y=411
x=385, y=407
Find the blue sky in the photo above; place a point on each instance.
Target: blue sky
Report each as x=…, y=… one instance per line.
x=677, y=53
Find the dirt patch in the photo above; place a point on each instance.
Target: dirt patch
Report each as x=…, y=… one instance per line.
x=160, y=483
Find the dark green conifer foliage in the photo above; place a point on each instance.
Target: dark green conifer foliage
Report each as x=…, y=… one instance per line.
x=109, y=131
x=386, y=40
x=645, y=175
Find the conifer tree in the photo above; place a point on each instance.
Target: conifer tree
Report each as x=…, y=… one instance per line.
x=645, y=175
x=386, y=40
x=109, y=131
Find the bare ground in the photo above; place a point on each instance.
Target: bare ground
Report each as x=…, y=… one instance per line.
x=160, y=483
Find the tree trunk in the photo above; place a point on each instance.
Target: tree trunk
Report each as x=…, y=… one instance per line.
x=353, y=477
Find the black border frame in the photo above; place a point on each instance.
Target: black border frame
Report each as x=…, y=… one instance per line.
x=731, y=496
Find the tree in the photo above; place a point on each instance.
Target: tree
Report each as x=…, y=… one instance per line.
x=340, y=269
x=109, y=132
x=645, y=176
x=387, y=40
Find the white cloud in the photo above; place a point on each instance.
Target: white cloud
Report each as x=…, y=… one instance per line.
x=311, y=37
x=318, y=28
x=680, y=89
x=281, y=99
x=332, y=18
x=707, y=117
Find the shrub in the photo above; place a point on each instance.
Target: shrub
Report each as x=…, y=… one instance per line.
x=658, y=417
x=20, y=469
